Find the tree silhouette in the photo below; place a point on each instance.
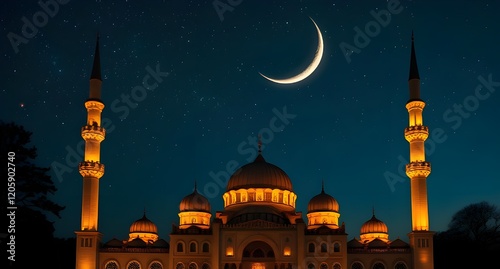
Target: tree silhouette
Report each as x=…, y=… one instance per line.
x=32, y=231
x=472, y=239
x=477, y=222
x=33, y=183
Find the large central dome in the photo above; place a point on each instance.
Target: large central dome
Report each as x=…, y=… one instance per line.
x=259, y=174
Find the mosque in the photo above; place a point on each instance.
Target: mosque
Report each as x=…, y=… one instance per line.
x=259, y=227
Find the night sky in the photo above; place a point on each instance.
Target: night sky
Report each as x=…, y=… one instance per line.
x=344, y=123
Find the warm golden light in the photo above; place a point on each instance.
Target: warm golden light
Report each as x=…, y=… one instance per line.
x=146, y=237
x=229, y=251
x=287, y=252
x=258, y=265
x=368, y=237
x=259, y=195
x=194, y=218
x=323, y=218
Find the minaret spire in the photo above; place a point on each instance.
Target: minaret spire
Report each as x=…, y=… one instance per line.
x=322, y=186
x=414, y=78
x=96, y=67
x=418, y=170
x=413, y=60
x=95, y=77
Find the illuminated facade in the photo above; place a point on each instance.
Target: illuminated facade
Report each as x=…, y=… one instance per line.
x=259, y=227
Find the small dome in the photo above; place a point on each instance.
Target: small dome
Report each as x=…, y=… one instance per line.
x=259, y=174
x=194, y=202
x=322, y=202
x=374, y=225
x=143, y=225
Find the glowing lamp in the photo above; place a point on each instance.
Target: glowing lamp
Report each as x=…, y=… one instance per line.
x=229, y=251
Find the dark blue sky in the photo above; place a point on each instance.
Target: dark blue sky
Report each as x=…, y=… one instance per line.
x=349, y=116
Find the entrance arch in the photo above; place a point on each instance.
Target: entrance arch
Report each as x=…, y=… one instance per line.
x=258, y=255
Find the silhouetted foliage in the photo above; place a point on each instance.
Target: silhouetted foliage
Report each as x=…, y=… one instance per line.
x=33, y=183
x=478, y=222
x=472, y=240
x=33, y=231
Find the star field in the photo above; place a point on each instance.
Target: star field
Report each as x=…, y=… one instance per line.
x=211, y=104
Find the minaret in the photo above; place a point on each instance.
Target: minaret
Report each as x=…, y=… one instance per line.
x=88, y=238
x=418, y=170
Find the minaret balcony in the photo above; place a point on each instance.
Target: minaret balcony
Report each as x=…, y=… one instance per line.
x=418, y=132
x=91, y=169
x=94, y=104
x=418, y=169
x=415, y=104
x=93, y=132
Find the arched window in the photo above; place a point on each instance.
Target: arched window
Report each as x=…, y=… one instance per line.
x=400, y=265
x=378, y=265
x=155, y=265
x=324, y=247
x=323, y=266
x=205, y=247
x=258, y=253
x=180, y=247
x=111, y=265
x=192, y=247
x=133, y=265
x=179, y=265
x=336, y=247
x=357, y=265
x=337, y=266
x=310, y=266
x=205, y=266
x=312, y=248
x=193, y=265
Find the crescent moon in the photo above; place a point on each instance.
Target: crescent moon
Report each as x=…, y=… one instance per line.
x=310, y=69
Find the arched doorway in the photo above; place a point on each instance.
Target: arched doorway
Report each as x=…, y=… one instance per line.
x=258, y=255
